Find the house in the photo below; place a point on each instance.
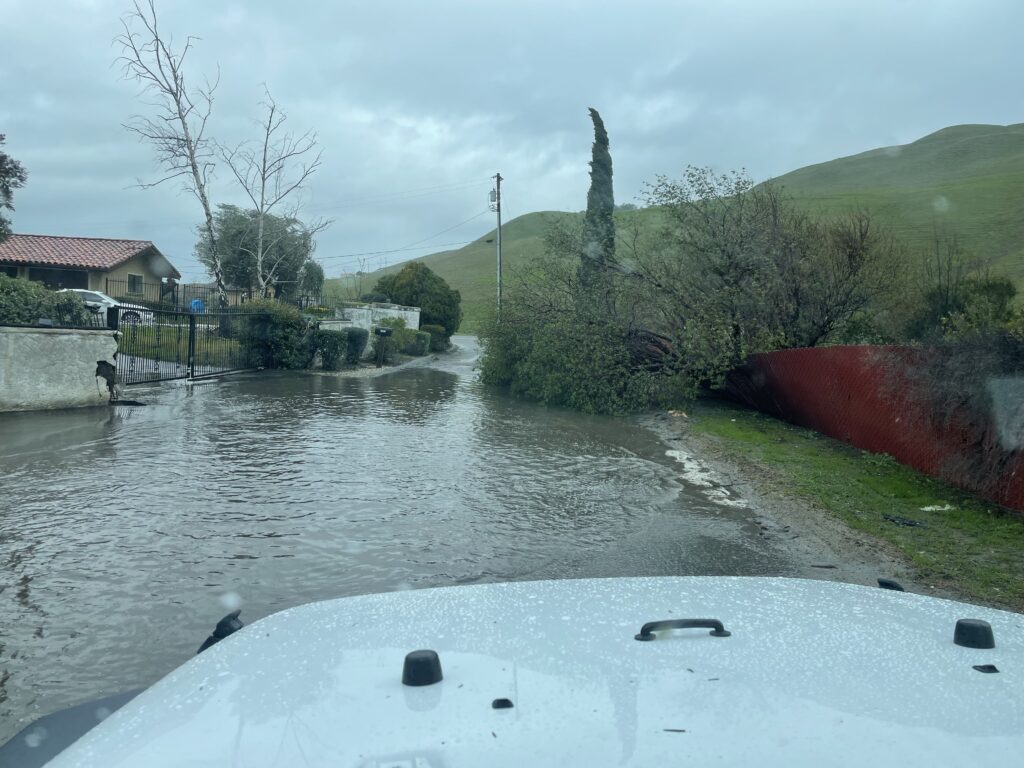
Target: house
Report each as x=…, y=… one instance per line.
x=119, y=267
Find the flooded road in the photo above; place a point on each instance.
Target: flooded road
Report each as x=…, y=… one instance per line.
x=126, y=533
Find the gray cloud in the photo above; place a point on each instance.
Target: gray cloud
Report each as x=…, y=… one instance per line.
x=418, y=103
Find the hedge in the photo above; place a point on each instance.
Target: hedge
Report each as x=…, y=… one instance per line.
x=332, y=346
x=438, y=338
x=419, y=344
x=25, y=302
x=276, y=337
x=357, y=340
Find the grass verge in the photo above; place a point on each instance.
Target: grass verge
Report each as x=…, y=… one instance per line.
x=963, y=542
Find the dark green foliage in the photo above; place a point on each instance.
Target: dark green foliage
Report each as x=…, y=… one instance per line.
x=332, y=346
x=563, y=362
x=275, y=337
x=375, y=298
x=311, y=278
x=417, y=286
x=23, y=302
x=389, y=346
x=419, y=345
x=12, y=177
x=978, y=302
x=599, y=224
x=287, y=261
x=357, y=338
x=401, y=335
x=438, y=340
x=552, y=347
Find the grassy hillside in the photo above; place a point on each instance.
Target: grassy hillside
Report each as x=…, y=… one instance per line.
x=472, y=269
x=969, y=178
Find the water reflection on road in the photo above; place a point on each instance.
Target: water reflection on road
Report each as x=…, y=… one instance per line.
x=123, y=529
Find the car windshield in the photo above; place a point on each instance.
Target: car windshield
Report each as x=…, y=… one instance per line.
x=90, y=296
x=411, y=295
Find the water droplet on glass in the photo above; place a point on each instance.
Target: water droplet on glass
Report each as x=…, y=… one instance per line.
x=940, y=204
x=403, y=586
x=35, y=737
x=231, y=601
x=102, y=713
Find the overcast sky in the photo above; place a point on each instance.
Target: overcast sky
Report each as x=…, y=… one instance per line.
x=417, y=104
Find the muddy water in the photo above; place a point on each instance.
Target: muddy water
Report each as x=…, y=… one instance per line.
x=126, y=533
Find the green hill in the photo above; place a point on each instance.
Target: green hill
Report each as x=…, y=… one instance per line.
x=968, y=178
x=472, y=269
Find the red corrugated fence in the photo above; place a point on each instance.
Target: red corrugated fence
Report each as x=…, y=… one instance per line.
x=868, y=396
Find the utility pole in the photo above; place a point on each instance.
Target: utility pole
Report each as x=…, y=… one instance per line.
x=496, y=206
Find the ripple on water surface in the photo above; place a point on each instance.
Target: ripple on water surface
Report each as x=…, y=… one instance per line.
x=124, y=528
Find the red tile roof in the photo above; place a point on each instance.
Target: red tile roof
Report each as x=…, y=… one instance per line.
x=73, y=252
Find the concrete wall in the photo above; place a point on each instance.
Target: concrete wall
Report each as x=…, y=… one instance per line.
x=371, y=314
x=368, y=316
x=44, y=368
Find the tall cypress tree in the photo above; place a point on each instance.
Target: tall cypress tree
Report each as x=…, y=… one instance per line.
x=599, y=224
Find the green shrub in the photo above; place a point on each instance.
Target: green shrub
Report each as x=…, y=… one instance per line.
x=438, y=337
x=24, y=302
x=357, y=339
x=403, y=336
x=560, y=361
x=275, y=336
x=419, y=345
x=416, y=285
x=332, y=346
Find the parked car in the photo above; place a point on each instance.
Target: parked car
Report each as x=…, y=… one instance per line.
x=133, y=314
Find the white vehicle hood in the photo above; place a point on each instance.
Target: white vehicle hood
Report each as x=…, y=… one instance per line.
x=814, y=673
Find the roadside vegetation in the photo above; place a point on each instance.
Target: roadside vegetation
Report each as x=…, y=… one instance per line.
x=617, y=318
x=951, y=538
x=23, y=302
x=416, y=285
x=964, y=179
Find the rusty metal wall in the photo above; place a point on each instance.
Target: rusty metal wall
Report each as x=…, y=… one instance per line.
x=868, y=396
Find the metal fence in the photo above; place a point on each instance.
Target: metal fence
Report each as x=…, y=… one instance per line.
x=197, y=297
x=159, y=344
x=180, y=296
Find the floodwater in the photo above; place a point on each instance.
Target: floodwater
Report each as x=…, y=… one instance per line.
x=126, y=533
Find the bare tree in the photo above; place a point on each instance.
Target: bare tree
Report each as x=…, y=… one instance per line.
x=178, y=131
x=270, y=171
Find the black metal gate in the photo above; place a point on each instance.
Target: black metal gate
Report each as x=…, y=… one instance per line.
x=157, y=344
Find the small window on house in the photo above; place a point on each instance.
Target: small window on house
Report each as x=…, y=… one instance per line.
x=9, y=271
x=135, y=284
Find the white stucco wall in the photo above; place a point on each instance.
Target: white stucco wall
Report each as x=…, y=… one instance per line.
x=369, y=316
x=44, y=368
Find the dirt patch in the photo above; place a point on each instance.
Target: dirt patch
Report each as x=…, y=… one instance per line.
x=821, y=545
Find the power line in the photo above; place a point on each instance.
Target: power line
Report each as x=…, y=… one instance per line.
x=454, y=226
x=393, y=250
x=413, y=246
